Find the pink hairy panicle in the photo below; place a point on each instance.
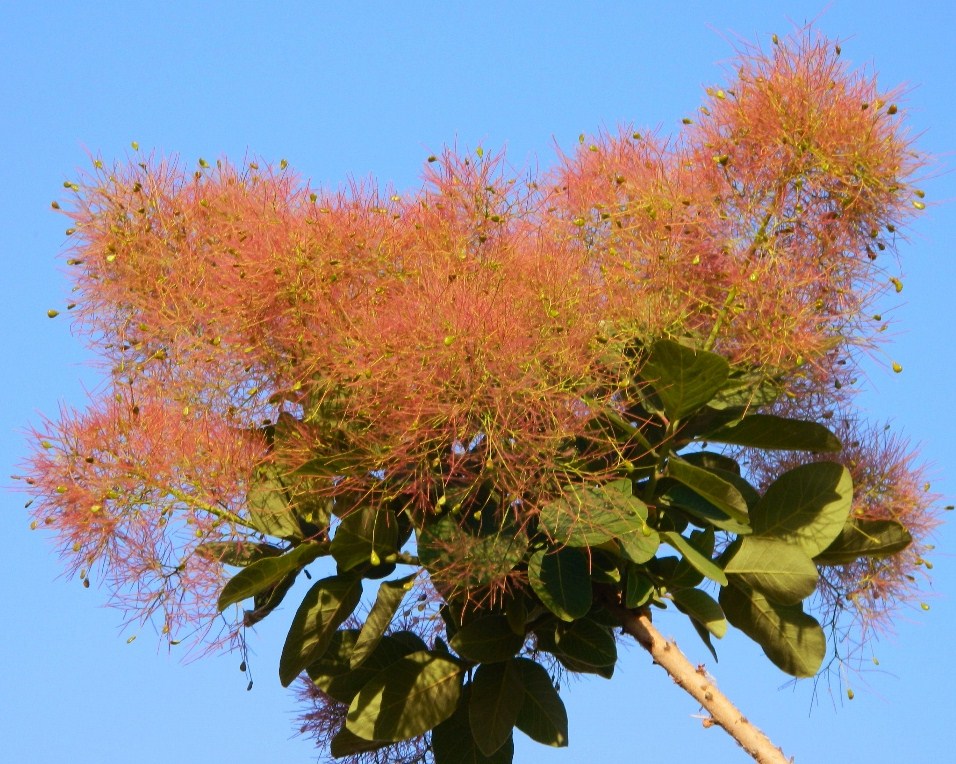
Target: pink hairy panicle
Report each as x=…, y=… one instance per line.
x=131, y=488
x=756, y=230
x=221, y=280
x=483, y=327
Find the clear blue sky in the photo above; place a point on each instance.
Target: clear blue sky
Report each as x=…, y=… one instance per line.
x=344, y=89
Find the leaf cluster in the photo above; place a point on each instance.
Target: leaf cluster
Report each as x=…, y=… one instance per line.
x=511, y=605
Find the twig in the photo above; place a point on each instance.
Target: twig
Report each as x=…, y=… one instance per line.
x=695, y=681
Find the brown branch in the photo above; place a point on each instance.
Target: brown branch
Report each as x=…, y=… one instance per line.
x=695, y=681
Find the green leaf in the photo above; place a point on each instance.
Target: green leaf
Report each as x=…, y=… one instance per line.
x=865, y=538
x=562, y=581
x=334, y=662
x=516, y=611
x=684, y=379
x=698, y=561
x=410, y=697
x=345, y=743
x=809, y=504
x=333, y=674
x=703, y=609
x=543, y=717
x=592, y=516
x=487, y=640
x=363, y=532
x=267, y=600
x=766, y=431
x=453, y=742
x=780, y=570
x=709, y=460
x=791, y=639
x=475, y=560
x=270, y=511
x=704, y=636
x=389, y=597
x=237, y=553
x=588, y=645
x=324, y=608
x=639, y=588
x=706, y=484
x=497, y=695
x=680, y=497
x=267, y=572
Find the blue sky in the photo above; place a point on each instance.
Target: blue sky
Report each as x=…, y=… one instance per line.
x=359, y=89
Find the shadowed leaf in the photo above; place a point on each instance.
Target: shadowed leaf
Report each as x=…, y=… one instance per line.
x=324, y=608
x=409, y=697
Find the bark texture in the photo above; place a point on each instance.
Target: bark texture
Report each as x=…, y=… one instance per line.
x=695, y=680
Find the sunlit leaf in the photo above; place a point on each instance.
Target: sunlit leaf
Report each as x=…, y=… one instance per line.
x=389, y=597
x=791, y=639
x=698, y=561
x=409, y=697
x=268, y=571
x=719, y=492
x=809, y=504
x=703, y=609
x=779, y=569
x=865, y=538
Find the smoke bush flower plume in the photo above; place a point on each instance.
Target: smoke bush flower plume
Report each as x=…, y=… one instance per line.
x=524, y=372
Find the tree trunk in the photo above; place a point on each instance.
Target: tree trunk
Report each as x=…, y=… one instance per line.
x=695, y=681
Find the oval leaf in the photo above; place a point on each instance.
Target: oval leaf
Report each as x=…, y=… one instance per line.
x=270, y=511
x=809, y=504
x=587, y=644
x=703, y=609
x=766, y=431
x=684, y=379
x=389, y=597
x=453, y=742
x=698, y=561
x=791, y=639
x=780, y=570
x=497, y=695
x=709, y=486
x=237, y=553
x=262, y=574
x=324, y=608
x=487, y=640
x=363, y=531
x=562, y=581
x=332, y=673
x=543, y=717
x=865, y=538
x=414, y=694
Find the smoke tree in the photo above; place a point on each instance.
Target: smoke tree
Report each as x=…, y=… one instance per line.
x=506, y=417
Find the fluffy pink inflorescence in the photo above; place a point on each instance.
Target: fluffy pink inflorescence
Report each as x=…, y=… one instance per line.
x=757, y=230
x=133, y=487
